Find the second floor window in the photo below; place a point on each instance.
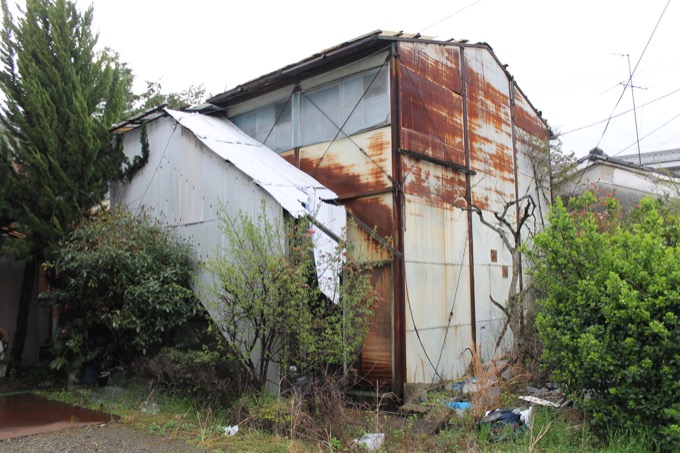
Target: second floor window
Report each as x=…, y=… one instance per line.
x=337, y=109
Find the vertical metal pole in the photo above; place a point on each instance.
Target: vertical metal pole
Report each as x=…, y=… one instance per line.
x=515, y=171
x=399, y=270
x=468, y=199
x=632, y=93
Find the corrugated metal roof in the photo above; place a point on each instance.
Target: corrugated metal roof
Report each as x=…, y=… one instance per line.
x=296, y=191
x=290, y=186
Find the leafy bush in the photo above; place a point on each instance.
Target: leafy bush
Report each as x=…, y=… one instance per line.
x=121, y=285
x=609, y=312
x=268, y=304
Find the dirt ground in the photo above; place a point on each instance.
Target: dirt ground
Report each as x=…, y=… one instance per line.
x=105, y=438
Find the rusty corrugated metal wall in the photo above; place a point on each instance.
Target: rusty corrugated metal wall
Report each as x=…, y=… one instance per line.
x=461, y=133
x=459, y=142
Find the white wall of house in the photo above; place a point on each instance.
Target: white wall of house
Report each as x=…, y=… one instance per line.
x=626, y=184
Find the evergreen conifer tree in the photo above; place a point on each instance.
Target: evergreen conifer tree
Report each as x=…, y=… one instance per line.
x=56, y=157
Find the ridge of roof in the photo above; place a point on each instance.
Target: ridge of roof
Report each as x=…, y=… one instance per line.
x=367, y=42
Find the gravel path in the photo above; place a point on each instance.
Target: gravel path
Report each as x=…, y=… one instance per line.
x=109, y=438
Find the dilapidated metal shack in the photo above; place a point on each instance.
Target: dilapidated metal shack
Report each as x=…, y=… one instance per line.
x=410, y=133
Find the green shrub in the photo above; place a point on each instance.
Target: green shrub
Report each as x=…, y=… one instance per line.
x=121, y=287
x=267, y=302
x=609, y=312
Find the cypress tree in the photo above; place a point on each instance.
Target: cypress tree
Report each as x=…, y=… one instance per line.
x=57, y=158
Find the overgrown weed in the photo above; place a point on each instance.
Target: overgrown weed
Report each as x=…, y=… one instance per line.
x=292, y=422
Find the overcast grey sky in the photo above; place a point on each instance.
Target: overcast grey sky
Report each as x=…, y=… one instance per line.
x=565, y=55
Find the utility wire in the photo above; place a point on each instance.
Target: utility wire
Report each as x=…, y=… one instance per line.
x=619, y=114
x=449, y=16
x=633, y=144
x=630, y=78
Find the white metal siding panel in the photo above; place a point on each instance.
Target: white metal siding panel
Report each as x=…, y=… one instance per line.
x=491, y=154
x=437, y=287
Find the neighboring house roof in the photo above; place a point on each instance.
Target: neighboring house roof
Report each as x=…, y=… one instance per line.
x=655, y=161
x=630, y=181
x=294, y=189
x=596, y=155
x=668, y=159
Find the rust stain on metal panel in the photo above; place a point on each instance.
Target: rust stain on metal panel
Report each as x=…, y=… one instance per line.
x=437, y=186
x=433, y=111
x=374, y=211
x=378, y=144
x=490, y=127
x=344, y=178
x=289, y=156
x=346, y=169
x=438, y=63
x=527, y=119
x=454, y=153
x=376, y=357
x=480, y=200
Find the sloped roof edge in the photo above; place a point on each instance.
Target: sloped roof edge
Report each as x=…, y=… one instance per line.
x=339, y=55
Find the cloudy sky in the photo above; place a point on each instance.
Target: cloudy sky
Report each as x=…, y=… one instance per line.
x=569, y=57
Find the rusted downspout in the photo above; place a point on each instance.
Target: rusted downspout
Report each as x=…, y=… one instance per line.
x=468, y=199
x=399, y=268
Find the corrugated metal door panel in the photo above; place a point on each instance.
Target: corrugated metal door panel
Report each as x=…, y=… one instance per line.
x=438, y=290
x=376, y=357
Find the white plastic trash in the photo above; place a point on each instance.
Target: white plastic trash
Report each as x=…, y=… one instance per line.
x=230, y=430
x=525, y=416
x=371, y=441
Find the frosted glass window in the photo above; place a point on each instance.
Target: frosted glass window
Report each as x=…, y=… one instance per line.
x=353, y=104
x=271, y=125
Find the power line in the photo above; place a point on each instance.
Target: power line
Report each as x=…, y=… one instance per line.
x=449, y=16
x=633, y=72
x=633, y=144
x=619, y=114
